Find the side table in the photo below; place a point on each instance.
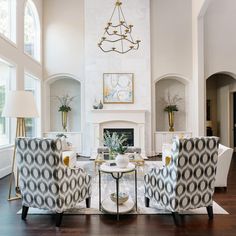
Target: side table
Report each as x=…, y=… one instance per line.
x=107, y=205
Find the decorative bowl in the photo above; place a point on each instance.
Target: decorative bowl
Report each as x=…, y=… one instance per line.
x=123, y=197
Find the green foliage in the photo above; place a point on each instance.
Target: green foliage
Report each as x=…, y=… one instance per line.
x=64, y=108
x=171, y=103
x=114, y=142
x=121, y=149
x=171, y=108
x=65, y=102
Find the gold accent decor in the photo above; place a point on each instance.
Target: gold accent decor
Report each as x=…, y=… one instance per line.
x=20, y=132
x=167, y=160
x=118, y=34
x=64, y=116
x=171, y=120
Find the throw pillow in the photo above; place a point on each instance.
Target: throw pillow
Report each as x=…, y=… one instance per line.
x=166, y=153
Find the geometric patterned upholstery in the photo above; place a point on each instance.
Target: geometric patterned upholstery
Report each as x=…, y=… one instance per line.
x=45, y=182
x=188, y=181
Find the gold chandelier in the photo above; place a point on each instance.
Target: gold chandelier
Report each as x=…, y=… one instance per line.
x=118, y=34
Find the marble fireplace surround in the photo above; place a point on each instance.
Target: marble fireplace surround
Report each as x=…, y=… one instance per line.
x=118, y=119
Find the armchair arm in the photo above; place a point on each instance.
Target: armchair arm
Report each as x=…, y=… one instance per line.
x=74, y=187
x=152, y=179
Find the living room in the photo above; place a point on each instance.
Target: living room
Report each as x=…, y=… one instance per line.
x=84, y=71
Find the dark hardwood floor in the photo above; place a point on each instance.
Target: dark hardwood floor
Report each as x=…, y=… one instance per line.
x=44, y=225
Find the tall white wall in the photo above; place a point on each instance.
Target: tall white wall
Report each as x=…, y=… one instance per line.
x=14, y=54
x=171, y=47
x=220, y=37
x=63, y=51
x=64, y=38
x=171, y=37
x=97, y=14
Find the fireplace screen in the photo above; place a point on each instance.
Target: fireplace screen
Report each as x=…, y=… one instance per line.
x=129, y=134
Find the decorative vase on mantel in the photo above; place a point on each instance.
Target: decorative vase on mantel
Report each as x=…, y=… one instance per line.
x=171, y=121
x=64, y=116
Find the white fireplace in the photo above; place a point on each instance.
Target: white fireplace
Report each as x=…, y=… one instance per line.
x=118, y=119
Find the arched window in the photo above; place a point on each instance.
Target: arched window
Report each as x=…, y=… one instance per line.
x=31, y=30
x=8, y=19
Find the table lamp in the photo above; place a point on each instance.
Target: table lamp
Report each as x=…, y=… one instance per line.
x=19, y=104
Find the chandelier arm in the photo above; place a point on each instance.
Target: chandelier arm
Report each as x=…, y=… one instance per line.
x=133, y=42
x=123, y=52
x=111, y=41
x=117, y=40
x=114, y=50
x=116, y=26
x=112, y=34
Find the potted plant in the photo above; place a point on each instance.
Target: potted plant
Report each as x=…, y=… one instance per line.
x=112, y=141
x=171, y=106
x=122, y=159
x=64, y=108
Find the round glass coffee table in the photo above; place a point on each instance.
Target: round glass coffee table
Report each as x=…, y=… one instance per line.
x=109, y=206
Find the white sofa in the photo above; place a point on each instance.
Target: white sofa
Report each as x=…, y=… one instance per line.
x=223, y=164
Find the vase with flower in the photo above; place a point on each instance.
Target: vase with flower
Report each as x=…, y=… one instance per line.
x=113, y=142
x=64, y=108
x=171, y=106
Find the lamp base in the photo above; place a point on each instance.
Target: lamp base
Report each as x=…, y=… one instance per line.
x=20, y=132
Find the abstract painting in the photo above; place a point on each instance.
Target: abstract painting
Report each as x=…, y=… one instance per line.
x=118, y=88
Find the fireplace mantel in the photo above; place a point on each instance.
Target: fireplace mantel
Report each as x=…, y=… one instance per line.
x=104, y=118
x=104, y=115
x=117, y=111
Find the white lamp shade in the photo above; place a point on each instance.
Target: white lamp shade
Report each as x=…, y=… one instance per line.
x=20, y=104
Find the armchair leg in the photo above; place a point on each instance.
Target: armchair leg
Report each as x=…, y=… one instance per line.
x=88, y=202
x=24, y=212
x=210, y=212
x=147, y=201
x=58, y=219
x=176, y=218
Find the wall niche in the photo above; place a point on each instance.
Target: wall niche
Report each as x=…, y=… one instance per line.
x=172, y=86
x=59, y=87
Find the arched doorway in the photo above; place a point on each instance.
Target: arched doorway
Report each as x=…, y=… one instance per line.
x=221, y=107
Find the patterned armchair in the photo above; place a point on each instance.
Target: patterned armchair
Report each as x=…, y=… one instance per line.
x=188, y=181
x=45, y=182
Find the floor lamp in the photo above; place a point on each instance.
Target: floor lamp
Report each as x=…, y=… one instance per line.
x=19, y=105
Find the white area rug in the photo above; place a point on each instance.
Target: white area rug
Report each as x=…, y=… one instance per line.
x=127, y=186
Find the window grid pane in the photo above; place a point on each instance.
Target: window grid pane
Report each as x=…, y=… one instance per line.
x=8, y=19
x=5, y=79
x=5, y=18
x=31, y=31
x=32, y=124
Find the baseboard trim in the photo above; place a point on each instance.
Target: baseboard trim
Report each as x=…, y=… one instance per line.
x=5, y=171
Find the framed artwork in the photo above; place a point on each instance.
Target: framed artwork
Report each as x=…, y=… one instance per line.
x=118, y=88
